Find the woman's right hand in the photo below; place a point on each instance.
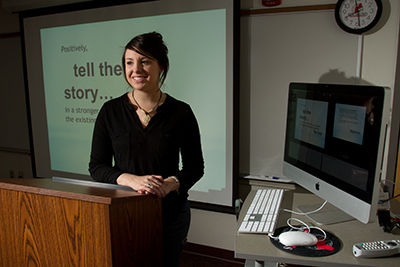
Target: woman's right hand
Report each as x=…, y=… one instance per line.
x=146, y=184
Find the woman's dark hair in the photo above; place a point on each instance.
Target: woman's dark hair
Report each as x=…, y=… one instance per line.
x=150, y=45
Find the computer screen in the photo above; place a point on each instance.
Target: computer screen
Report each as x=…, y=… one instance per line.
x=335, y=136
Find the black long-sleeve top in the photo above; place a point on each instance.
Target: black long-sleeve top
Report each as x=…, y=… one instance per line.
x=156, y=149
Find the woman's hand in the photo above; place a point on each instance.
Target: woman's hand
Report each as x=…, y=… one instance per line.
x=171, y=184
x=147, y=184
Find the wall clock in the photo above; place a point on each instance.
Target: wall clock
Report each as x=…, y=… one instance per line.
x=358, y=16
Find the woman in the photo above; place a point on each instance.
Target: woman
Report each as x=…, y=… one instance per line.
x=146, y=131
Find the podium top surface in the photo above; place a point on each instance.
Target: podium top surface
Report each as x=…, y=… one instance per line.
x=74, y=189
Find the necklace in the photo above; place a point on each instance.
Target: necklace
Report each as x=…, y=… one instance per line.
x=146, y=119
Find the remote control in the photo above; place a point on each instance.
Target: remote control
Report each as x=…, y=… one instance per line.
x=376, y=248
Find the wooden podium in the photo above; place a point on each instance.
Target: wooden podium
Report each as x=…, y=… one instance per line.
x=54, y=223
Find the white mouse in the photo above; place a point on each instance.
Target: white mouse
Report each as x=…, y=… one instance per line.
x=297, y=238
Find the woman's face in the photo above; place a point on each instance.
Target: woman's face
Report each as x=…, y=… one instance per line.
x=141, y=72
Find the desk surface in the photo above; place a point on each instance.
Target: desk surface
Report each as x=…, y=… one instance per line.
x=259, y=247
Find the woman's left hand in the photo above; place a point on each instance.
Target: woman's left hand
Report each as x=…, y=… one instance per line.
x=165, y=186
x=154, y=184
x=170, y=185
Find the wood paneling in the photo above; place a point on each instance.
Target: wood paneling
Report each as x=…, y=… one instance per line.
x=40, y=229
x=52, y=231
x=127, y=228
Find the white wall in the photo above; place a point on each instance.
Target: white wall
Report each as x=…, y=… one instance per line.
x=379, y=67
x=307, y=46
x=8, y=22
x=17, y=163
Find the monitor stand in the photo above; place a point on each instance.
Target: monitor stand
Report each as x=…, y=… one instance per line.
x=329, y=214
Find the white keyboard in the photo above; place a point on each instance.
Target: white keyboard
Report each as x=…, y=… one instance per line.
x=262, y=215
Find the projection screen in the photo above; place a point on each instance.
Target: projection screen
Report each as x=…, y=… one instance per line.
x=73, y=63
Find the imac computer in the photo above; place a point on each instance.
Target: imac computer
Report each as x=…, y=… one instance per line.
x=334, y=146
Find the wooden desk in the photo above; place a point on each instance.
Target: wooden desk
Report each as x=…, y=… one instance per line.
x=50, y=223
x=259, y=248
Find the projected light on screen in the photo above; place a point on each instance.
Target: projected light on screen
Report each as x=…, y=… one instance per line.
x=74, y=67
